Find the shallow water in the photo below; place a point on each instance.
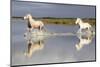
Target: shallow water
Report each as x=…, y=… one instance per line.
x=52, y=49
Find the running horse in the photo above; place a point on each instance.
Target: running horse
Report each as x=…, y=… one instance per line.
x=82, y=24
x=33, y=24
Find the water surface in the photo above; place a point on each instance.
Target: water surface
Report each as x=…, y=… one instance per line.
x=52, y=49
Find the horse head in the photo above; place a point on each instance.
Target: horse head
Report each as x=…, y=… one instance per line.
x=78, y=21
x=27, y=16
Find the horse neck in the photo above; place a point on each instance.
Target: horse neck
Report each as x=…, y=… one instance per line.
x=80, y=23
x=31, y=19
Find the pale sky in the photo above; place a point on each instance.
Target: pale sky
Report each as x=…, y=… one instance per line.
x=51, y=10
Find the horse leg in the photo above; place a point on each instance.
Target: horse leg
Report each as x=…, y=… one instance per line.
x=80, y=30
x=27, y=29
x=25, y=34
x=39, y=28
x=30, y=30
x=43, y=28
x=88, y=28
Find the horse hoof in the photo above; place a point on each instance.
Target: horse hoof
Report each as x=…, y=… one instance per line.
x=24, y=35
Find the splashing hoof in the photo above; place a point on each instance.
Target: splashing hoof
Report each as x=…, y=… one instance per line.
x=25, y=35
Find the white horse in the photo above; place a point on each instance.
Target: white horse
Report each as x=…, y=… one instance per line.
x=33, y=24
x=82, y=24
x=83, y=40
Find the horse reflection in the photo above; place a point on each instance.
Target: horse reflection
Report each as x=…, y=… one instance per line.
x=83, y=40
x=34, y=46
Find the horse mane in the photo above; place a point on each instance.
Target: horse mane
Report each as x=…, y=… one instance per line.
x=79, y=19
